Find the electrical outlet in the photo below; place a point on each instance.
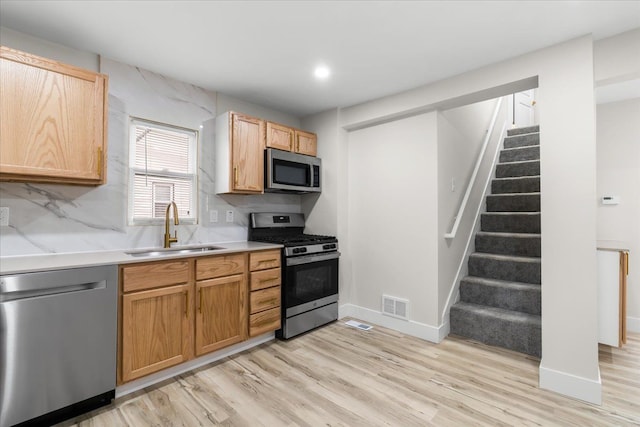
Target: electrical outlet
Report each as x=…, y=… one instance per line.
x=453, y=185
x=229, y=216
x=213, y=215
x=4, y=217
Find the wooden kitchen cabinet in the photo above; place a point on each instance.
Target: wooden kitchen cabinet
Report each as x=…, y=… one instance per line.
x=306, y=143
x=174, y=310
x=53, y=121
x=155, y=317
x=221, y=292
x=265, y=295
x=279, y=136
x=156, y=330
x=240, y=143
x=290, y=139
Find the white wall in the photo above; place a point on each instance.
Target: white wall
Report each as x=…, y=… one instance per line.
x=564, y=76
x=46, y=49
x=618, y=173
x=321, y=210
x=461, y=133
x=393, y=215
x=226, y=103
x=617, y=58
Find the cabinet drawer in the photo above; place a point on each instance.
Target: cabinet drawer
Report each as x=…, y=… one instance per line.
x=264, y=260
x=265, y=279
x=219, y=266
x=265, y=321
x=154, y=275
x=265, y=299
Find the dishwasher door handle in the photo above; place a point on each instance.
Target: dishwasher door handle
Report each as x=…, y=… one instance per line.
x=49, y=291
x=32, y=285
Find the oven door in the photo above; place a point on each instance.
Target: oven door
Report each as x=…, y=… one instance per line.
x=309, y=282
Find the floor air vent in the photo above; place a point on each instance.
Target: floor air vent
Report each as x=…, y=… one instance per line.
x=396, y=307
x=361, y=326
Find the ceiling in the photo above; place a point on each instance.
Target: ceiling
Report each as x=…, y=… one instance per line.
x=265, y=51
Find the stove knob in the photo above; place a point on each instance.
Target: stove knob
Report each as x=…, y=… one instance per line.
x=331, y=246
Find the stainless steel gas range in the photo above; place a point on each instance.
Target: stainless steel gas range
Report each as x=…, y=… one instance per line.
x=309, y=271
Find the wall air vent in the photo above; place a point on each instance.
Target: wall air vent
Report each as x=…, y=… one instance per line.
x=396, y=307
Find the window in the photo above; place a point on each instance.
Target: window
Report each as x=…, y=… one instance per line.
x=163, y=169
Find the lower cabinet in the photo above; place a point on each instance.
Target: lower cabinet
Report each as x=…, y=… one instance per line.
x=264, y=299
x=172, y=311
x=221, y=319
x=156, y=330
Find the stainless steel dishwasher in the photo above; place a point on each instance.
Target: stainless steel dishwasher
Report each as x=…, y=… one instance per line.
x=57, y=344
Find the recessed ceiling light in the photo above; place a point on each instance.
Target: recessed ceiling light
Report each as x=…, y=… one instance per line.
x=322, y=72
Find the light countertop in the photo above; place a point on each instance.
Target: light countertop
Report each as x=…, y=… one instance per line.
x=612, y=245
x=43, y=262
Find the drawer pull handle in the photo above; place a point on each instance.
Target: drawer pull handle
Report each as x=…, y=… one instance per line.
x=186, y=303
x=200, y=308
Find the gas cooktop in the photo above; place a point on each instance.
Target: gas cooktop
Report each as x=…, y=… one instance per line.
x=296, y=239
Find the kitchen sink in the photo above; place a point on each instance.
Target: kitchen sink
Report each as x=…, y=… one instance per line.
x=173, y=251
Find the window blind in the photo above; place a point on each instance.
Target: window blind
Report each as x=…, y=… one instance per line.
x=162, y=170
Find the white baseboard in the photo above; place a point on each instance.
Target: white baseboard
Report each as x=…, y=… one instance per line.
x=570, y=385
x=633, y=324
x=165, y=374
x=409, y=327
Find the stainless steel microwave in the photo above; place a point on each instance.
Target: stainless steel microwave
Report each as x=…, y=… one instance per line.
x=287, y=172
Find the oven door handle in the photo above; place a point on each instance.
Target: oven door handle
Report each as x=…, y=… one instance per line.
x=306, y=259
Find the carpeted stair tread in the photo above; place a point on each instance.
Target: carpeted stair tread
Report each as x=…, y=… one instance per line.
x=523, y=130
x=510, y=222
x=521, y=184
x=516, y=296
x=500, y=299
x=520, y=154
x=505, y=267
x=524, y=140
x=499, y=257
x=519, y=244
x=520, y=168
x=495, y=326
x=513, y=202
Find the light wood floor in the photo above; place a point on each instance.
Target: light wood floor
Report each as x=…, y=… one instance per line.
x=341, y=376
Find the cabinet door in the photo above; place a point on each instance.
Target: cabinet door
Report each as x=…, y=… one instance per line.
x=221, y=317
x=155, y=330
x=279, y=136
x=306, y=143
x=247, y=157
x=52, y=121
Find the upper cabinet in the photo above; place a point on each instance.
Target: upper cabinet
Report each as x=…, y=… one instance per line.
x=306, y=143
x=53, y=121
x=290, y=139
x=239, y=154
x=279, y=136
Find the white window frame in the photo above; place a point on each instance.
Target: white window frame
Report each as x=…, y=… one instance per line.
x=133, y=171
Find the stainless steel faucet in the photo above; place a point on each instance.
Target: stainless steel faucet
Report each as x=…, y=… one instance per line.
x=168, y=240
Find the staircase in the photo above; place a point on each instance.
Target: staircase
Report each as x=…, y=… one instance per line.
x=500, y=298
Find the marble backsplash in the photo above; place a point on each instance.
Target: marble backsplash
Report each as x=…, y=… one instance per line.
x=47, y=218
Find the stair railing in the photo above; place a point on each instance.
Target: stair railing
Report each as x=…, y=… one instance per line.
x=476, y=222
x=474, y=175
